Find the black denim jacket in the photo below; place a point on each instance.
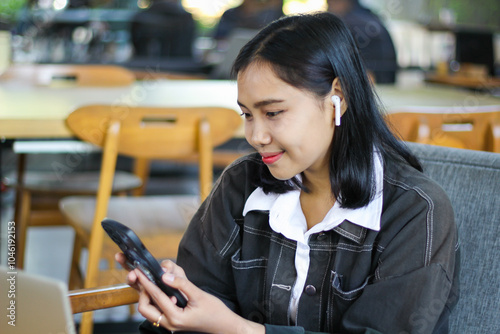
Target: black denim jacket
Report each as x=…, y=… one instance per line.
x=402, y=279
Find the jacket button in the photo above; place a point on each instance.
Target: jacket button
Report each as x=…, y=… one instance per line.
x=310, y=290
x=321, y=236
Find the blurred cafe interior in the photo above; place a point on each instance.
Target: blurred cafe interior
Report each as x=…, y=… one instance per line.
x=424, y=56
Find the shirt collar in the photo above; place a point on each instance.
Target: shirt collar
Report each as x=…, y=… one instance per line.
x=286, y=217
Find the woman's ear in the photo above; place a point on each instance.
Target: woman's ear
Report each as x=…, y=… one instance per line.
x=337, y=91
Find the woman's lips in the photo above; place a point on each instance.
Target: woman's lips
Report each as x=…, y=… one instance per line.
x=270, y=158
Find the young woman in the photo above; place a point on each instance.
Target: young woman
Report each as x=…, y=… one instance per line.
x=331, y=226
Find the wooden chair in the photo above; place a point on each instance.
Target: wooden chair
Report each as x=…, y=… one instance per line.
x=471, y=180
x=145, y=133
x=37, y=192
x=475, y=131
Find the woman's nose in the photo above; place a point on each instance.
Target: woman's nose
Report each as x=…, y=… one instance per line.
x=257, y=134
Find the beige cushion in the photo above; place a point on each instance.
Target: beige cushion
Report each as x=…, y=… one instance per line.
x=146, y=215
x=74, y=182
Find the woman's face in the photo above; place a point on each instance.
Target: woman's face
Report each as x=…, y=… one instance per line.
x=289, y=127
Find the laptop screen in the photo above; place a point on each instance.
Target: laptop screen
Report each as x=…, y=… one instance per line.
x=34, y=304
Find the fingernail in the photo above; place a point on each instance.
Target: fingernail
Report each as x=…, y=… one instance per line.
x=168, y=277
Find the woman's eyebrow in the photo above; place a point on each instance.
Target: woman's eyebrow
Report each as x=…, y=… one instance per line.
x=262, y=103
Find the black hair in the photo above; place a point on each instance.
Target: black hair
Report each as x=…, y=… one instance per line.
x=309, y=51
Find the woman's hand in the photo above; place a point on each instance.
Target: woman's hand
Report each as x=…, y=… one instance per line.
x=131, y=277
x=167, y=266
x=203, y=313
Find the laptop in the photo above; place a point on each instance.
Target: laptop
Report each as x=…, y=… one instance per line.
x=33, y=304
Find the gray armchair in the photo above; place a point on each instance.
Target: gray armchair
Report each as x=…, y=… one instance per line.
x=472, y=181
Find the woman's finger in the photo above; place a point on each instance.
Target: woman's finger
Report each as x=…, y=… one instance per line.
x=153, y=302
x=150, y=311
x=122, y=260
x=181, y=283
x=170, y=267
x=131, y=278
x=158, y=297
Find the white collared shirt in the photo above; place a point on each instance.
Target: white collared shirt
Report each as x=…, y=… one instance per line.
x=286, y=217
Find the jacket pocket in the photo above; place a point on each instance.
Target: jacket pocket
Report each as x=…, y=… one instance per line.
x=250, y=288
x=341, y=298
x=339, y=291
x=239, y=264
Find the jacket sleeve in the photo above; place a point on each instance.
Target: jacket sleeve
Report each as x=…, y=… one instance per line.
x=415, y=284
x=204, y=251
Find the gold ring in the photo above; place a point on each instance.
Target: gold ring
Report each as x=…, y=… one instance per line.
x=157, y=323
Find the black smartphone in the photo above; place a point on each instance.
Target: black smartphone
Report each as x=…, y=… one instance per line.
x=139, y=257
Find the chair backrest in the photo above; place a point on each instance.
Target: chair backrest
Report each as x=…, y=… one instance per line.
x=72, y=75
x=474, y=131
x=157, y=133
x=471, y=180
x=145, y=131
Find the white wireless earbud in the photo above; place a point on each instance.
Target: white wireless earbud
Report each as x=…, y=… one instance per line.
x=336, y=102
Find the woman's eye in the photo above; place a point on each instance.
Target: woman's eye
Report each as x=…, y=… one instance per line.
x=246, y=115
x=273, y=113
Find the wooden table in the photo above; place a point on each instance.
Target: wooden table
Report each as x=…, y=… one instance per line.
x=436, y=98
x=488, y=83
x=40, y=112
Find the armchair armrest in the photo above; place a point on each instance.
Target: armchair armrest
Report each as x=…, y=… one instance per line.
x=92, y=299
